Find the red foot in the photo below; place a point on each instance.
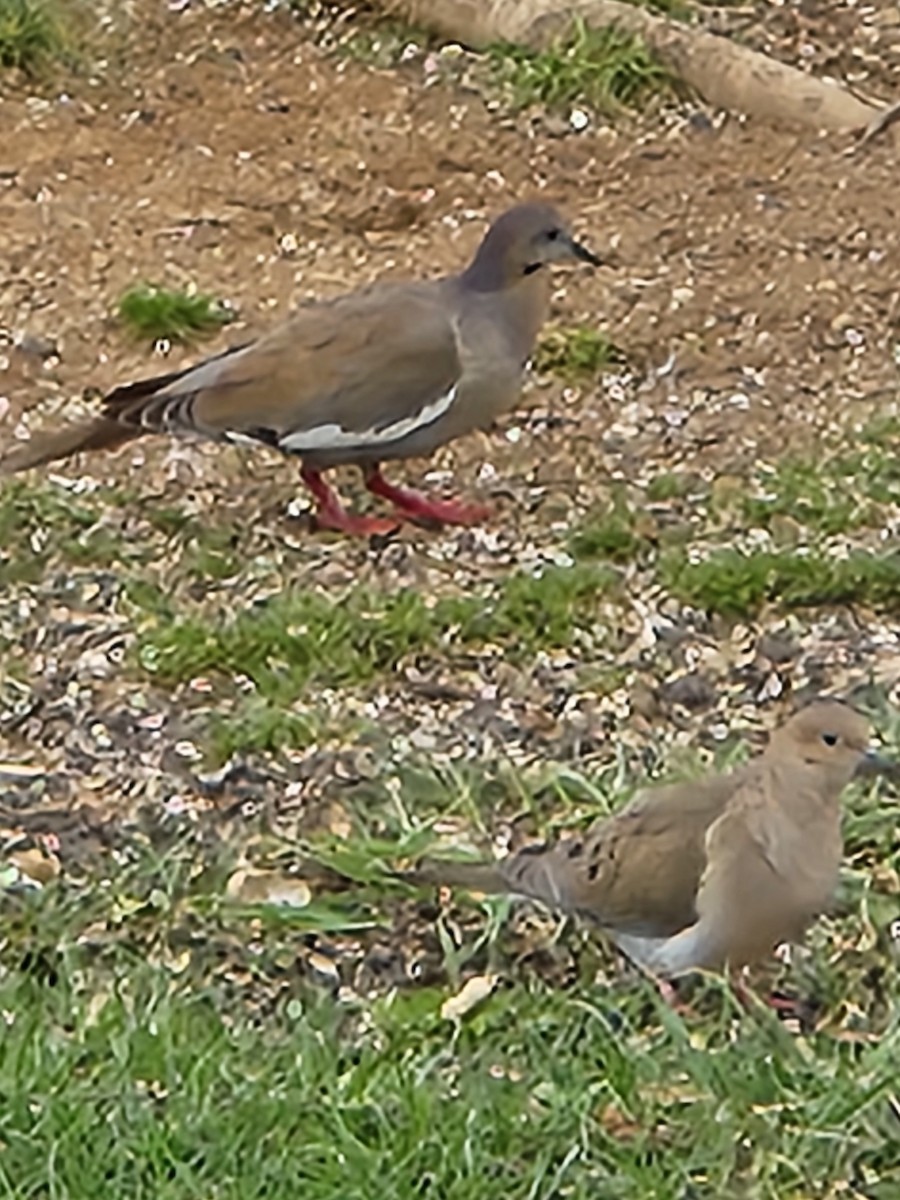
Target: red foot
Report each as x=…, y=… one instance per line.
x=671, y=998
x=353, y=524
x=419, y=507
x=785, y=1004
x=746, y=996
x=331, y=515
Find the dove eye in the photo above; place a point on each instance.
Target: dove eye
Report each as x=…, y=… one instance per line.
x=830, y=739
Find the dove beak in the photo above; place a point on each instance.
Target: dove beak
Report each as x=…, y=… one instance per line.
x=875, y=766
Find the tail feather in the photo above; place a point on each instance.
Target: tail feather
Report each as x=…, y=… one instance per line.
x=129, y=411
x=477, y=876
x=125, y=401
x=131, y=403
x=99, y=433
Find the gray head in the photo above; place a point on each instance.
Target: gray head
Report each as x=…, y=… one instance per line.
x=519, y=243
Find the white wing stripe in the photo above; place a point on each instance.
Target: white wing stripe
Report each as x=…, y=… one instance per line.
x=242, y=439
x=333, y=437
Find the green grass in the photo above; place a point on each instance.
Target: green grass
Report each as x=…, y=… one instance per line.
x=257, y=725
x=738, y=583
x=299, y=641
x=609, y=532
x=830, y=496
x=577, y=353
x=161, y=1042
x=300, y=638
x=168, y=1094
x=607, y=69
x=671, y=485
x=150, y=313
x=875, y=472
x=812, y=497
x=881, y=428
x=34, y=34
x=40, y=523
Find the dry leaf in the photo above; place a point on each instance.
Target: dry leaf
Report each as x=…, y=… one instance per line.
x=267, y=887
x=472, y=992
x=323, y=965
x=41, y=867
x=96, y=1005
x=15, y=772
x=618, y=1124
x=338, y=821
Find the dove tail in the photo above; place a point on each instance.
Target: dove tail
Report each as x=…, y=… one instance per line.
x=99, y=433
x=476, y=876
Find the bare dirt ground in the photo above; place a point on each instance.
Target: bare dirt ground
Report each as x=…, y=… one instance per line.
x=743, y=254
x=754, y=292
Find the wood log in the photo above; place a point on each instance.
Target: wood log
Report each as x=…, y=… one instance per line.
x=724, y=73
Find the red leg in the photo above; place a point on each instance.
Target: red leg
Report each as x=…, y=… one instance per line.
x=415, y=505
x=746, y=995
x=331, y=515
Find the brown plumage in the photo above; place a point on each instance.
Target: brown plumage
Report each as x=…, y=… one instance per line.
x=708, y=872
x=388, y=372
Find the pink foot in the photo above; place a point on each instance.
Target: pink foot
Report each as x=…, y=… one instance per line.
x=416, y=506
x=785, y=1004
x=331, y=515
x=351, y=523
x=671, y=998
x=746, y=996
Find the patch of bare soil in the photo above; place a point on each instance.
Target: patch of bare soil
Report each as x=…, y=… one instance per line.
x=233, y=155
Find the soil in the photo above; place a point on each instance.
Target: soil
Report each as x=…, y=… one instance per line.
x=224, y=150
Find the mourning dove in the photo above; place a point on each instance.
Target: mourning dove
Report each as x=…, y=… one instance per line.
x=392, y=371
x=706, y=873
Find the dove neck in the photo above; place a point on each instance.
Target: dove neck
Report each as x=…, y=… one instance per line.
x=805, y=791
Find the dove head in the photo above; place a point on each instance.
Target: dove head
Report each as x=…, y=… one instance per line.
x=829, y=737
x=520, y=242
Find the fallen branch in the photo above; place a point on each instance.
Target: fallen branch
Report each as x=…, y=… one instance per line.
x=724, y=73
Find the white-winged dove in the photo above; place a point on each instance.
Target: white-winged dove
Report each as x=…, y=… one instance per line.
x=707, y=873
x=392, y=371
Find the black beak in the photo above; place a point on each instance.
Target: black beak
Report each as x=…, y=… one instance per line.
x=874, y=766
x=583, y=254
